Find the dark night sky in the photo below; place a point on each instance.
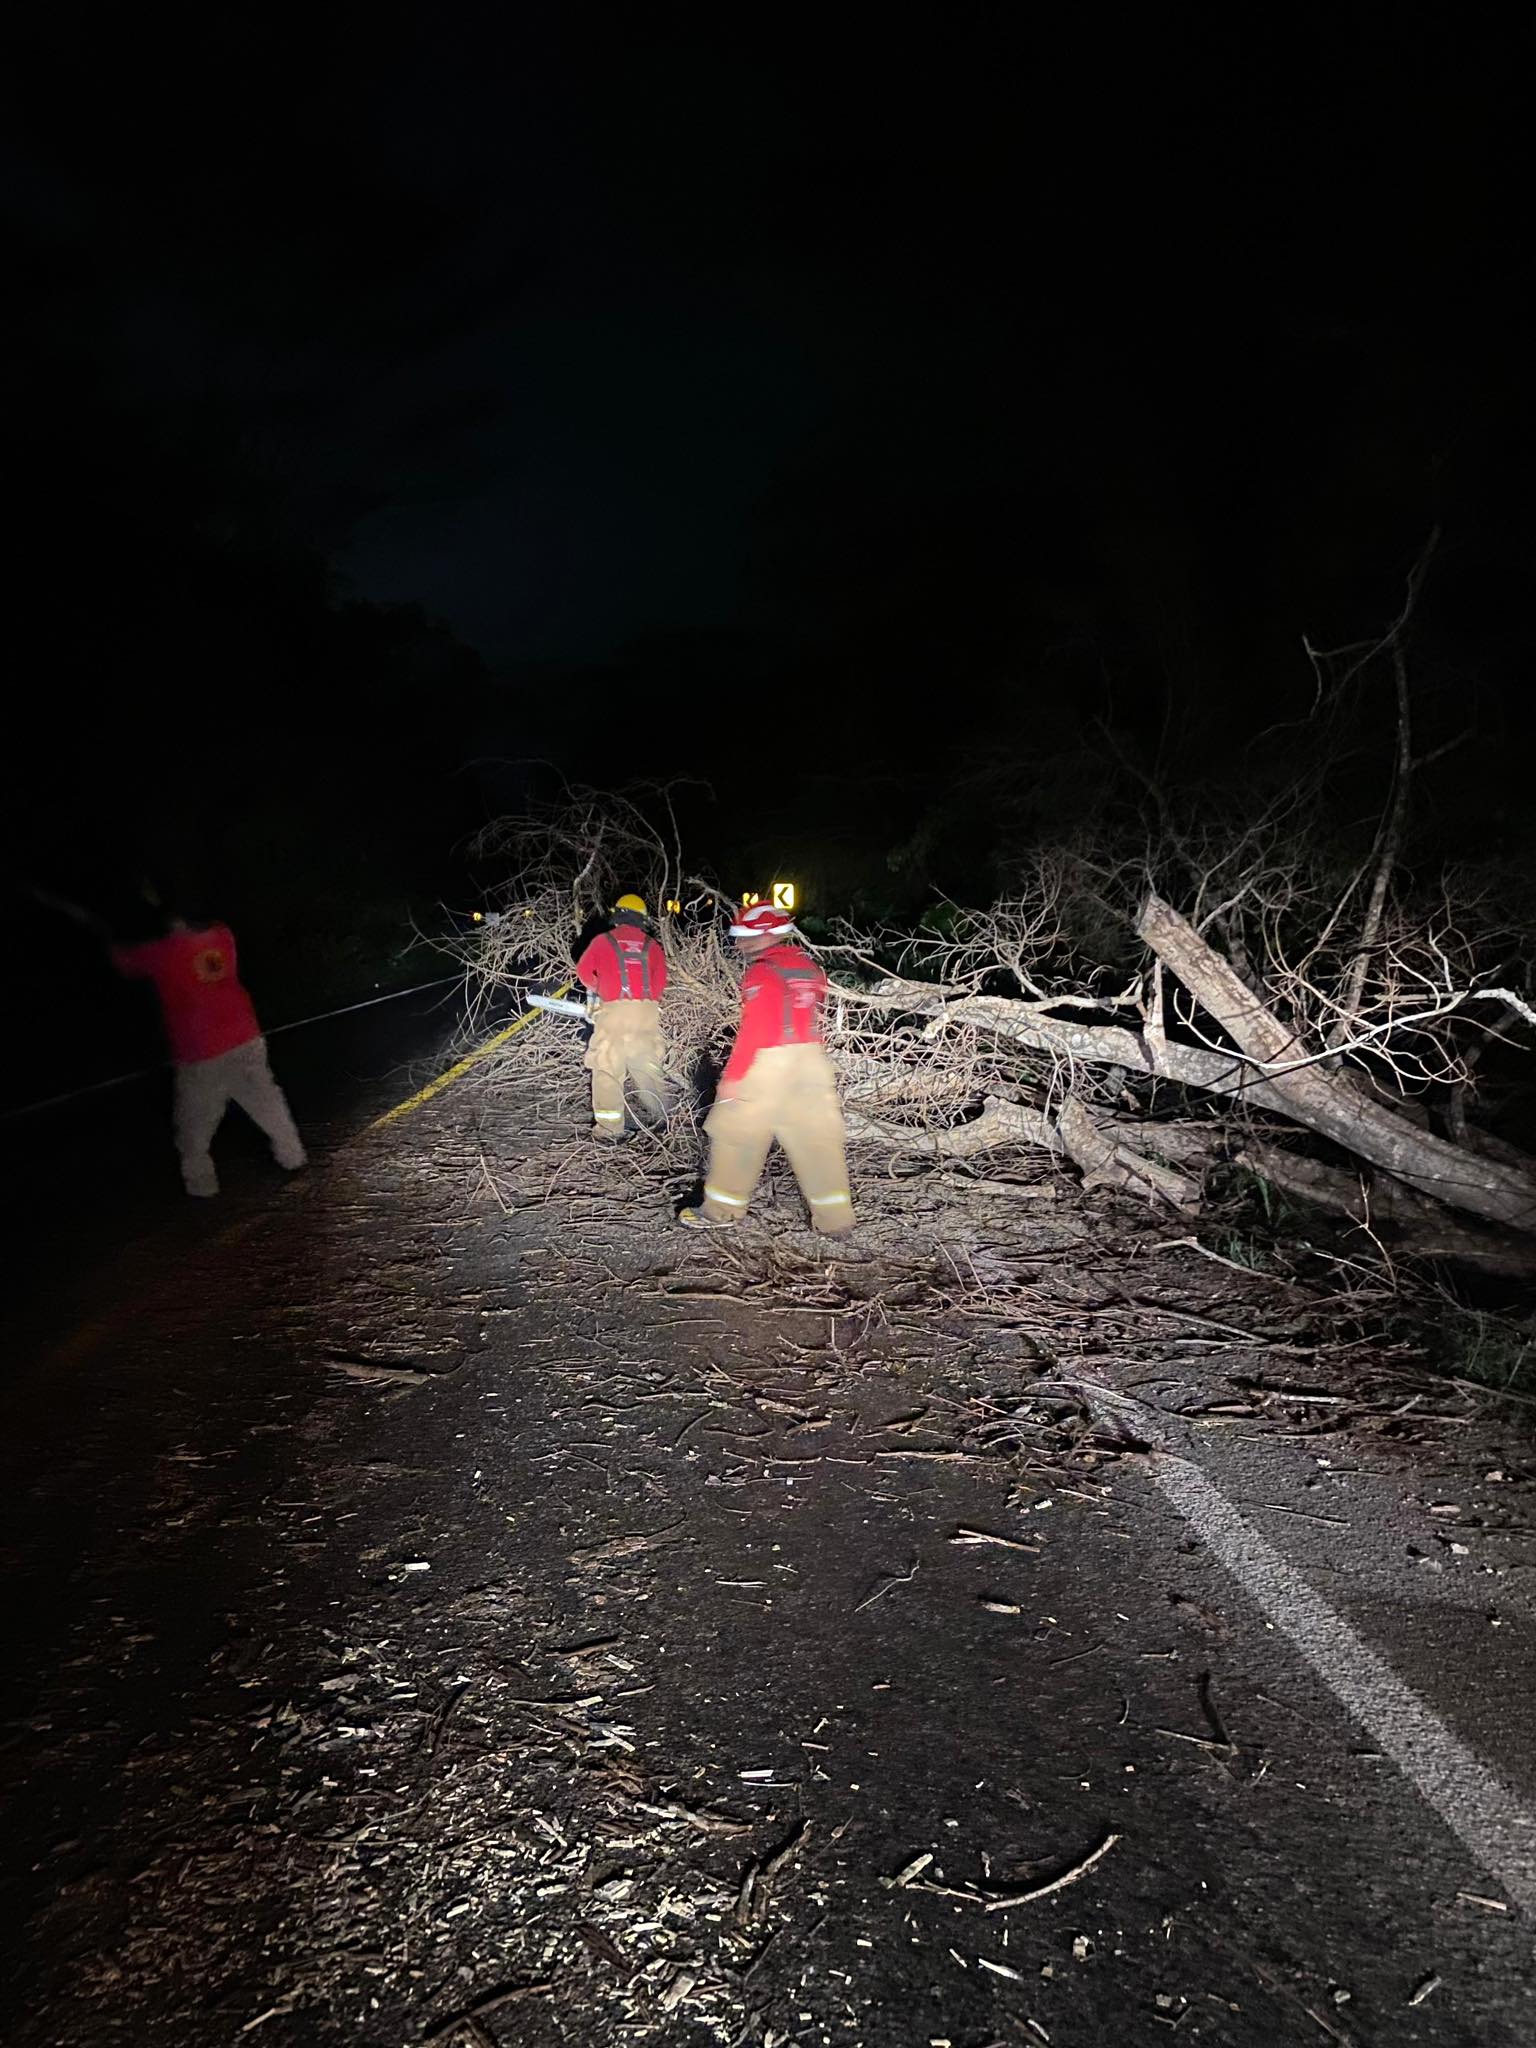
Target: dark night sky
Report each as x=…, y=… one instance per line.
x=1098, y=315
x=1082, y=288
x=892, y=380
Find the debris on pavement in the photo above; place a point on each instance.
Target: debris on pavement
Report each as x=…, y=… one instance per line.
x=532, y=1707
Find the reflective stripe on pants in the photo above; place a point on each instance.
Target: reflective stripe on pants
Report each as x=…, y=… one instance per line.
x=789, y=1094
x=626, y=1045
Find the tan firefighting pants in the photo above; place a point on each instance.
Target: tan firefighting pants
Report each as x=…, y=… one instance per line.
x=789, y=1093
x=626, y=1045
x=206, y=1088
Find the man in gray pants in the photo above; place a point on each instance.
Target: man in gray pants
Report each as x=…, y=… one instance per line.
x=216, y=1044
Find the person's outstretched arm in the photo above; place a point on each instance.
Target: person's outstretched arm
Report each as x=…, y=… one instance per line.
x=75, y=912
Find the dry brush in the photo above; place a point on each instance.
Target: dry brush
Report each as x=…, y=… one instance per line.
x=1260, y=1025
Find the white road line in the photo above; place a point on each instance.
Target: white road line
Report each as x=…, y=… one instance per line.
x=1493, y=1824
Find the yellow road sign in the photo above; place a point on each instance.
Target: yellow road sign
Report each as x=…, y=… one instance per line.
x=783, y=895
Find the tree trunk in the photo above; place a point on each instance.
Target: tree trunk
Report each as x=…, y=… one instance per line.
x=1098, y=1149
x=1320, y=1100
x=1420, y=1227
x=1389, y=848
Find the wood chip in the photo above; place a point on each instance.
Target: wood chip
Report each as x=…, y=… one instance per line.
x=678, y=1990
x=381, y=1375
x=626, y=1546
x=606, y=1950
x=1001, y=1969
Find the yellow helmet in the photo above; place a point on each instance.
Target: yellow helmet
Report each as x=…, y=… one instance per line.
x=636, y=903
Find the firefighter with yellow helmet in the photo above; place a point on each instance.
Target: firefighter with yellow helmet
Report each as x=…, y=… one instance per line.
x=625, y=969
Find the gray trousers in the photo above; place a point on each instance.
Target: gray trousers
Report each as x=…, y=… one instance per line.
x=206, y=1088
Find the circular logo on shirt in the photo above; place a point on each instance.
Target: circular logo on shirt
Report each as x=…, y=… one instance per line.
x=212, y=964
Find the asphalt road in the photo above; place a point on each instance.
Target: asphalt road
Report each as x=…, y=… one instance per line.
x=446, y=1616
x=98, y=1175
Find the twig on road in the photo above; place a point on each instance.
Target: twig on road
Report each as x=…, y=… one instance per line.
x=384, y=1375
x=1057, y=1884
x=1246, y=1272
x=910, y=1878
x=492, y=2002
x=625, y=1546
x=975, y=1536
x=929, y=1457
x=1213, y=1719
x=1334, y=2033
x=440, y=1719
x=490, y=1181
x=752, y=1898
x=1077, y=1656
x=883, y=1586
x=1196, y=1741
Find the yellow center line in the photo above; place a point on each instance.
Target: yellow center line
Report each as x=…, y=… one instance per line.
x=461, y=1067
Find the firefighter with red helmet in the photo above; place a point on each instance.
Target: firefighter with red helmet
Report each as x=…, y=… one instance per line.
x=626, y=970
x=777, y=1084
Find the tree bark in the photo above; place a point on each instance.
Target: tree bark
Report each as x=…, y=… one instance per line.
x=1420, y=1227
x=1107, y=1160
x=1500, y=1189
x=1390, y=846
x=1489, y=1182
x=1098, y=1149
x=1312, y=1096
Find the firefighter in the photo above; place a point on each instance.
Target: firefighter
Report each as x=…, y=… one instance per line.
x=778, y=1083
x=626, y=970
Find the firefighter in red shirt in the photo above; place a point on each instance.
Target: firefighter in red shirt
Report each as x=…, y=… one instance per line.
x=778, y=1083
x=626, y=970
x=216, y=1043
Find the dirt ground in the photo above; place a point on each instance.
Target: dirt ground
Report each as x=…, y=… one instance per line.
x=450, y=1604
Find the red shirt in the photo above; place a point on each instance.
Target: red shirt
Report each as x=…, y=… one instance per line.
x=202, y=999
x=623, y=963
x=782, y=996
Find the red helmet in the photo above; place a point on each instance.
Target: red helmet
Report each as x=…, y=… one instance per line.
x=762, y=921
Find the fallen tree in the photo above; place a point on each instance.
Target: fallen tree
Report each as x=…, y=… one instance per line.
x=1222, y=1009
x=1103, y=1154
x=1377, y=1204
x=1267, y=1069
x=1320, y=1096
